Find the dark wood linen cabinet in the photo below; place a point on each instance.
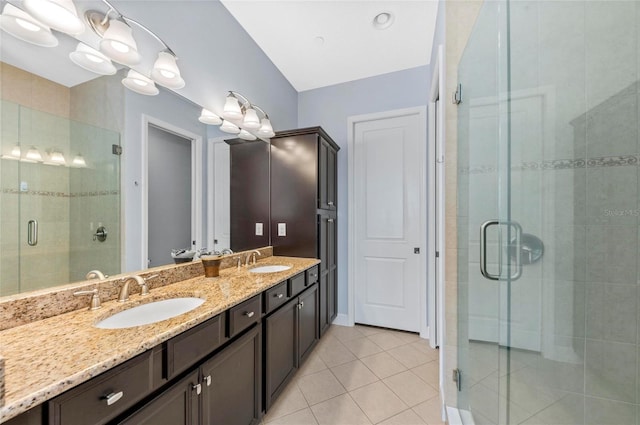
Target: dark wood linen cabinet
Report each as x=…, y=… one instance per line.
x=304, y=197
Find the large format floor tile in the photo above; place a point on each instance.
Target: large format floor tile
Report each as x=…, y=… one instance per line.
x=363, y=375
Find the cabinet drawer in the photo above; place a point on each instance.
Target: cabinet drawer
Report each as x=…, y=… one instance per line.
x=104, y=397
x=244, y=315
x=313, y=275
x=298, y=284
x=187, y=348
x=275, y=297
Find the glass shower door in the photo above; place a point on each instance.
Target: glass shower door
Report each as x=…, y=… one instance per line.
x=548, y=214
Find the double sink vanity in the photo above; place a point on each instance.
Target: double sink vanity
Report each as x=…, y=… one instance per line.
x=196, y=351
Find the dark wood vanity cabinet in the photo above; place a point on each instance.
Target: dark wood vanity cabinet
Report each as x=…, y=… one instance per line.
x=304, y=196
x=178, y=405
x=291, y=333
x=227, y=370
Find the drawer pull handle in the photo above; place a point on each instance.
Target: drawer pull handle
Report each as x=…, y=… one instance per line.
x=198, y=388
x=207, y=380
x=330, y=203
x=113, y=397
x=278, y=295
x=249, y=313
x=300, y=305
x=314, y=275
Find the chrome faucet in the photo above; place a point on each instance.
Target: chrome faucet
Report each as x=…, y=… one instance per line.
x=250, y=255
x=96, y=274
x=124, y=291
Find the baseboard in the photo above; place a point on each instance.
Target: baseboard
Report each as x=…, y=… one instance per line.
x=425, y=335
x=341, y=320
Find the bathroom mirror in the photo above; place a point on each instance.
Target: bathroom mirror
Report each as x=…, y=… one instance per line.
x=62, y=213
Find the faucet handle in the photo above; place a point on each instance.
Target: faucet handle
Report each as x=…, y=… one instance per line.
x=95, y=298
x=144, y=289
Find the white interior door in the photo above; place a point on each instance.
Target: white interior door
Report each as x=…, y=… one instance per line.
x=389, y=156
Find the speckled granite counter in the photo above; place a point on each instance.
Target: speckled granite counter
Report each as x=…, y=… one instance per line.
x=48, y=357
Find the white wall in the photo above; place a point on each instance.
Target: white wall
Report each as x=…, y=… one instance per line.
x=329, y=107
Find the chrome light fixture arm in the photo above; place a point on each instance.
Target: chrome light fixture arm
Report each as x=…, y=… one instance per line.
x=99, y=29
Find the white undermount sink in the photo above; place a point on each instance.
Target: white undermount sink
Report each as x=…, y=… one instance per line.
x=269, y=269
x=153, y=312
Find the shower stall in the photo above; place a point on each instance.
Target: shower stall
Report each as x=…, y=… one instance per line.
x=548, y=214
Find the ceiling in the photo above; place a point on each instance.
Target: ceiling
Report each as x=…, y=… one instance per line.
x=317, y=43
x=288, y=31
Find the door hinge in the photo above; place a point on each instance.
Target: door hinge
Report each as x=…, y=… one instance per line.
x=116, y=149
x=457, y=95
x=437, y=254
x=457, y=378
x=416, y=250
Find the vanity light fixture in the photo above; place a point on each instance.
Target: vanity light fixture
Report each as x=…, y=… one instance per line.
x=15, y=152
x=60, y=15
x=56, y=157
x=34, y=154
x=229, y=127
x=78, y=161
x=139, y=83
x=23, y=26
x=92, y=60
x=232, y=109
x=245, y=135
x=208, y=117
x=165, y=71
x=244, y=114
x=119, y=44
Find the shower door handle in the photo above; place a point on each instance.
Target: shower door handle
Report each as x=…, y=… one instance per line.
x=517, y=241
x=32, y=232
x=483, y=251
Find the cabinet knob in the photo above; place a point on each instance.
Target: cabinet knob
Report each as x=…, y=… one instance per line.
x=197, y=387
x=278, y=295
x=207, y=380
x=329, y=220
x=300, y=305
x=249, y=313
x=113, y=397
x=330, y=203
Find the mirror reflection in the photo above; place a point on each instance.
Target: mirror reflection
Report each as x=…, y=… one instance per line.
x=62, y=152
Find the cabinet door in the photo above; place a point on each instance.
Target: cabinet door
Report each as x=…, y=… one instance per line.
x=332, y=295
x=281, y=344
x=308, y=329
x=332, y=178
x=231, y=383
x=176, y=406
x=327, y=160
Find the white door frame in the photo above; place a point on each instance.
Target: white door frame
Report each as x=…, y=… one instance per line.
x=421, y=111
x=196, y=182
x=211, y=182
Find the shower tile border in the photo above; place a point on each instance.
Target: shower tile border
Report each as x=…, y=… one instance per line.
x=561, y=164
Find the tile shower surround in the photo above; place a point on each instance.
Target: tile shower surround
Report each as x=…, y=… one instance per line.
x=29, y=307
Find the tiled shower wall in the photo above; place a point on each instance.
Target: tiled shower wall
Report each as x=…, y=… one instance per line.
x=48, y=115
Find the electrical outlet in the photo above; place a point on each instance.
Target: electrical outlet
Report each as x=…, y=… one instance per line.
x=258, y=229
x=282, y=229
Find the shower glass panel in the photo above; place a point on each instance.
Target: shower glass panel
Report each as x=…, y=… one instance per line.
x=52, y=205
x=548, y=154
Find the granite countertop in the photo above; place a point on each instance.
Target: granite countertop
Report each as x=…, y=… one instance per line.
x=46, y=358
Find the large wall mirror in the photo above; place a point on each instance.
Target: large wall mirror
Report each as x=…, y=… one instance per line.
x=62, y=207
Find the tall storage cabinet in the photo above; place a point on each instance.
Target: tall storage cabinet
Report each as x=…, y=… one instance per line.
x=304, y=202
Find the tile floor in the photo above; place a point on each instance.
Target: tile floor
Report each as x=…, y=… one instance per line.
x=363, y=375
